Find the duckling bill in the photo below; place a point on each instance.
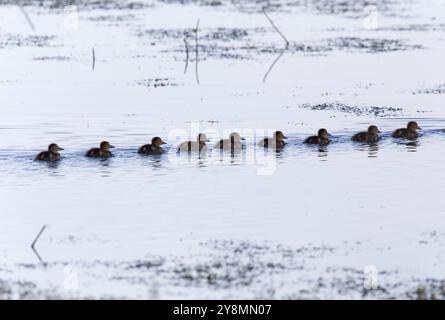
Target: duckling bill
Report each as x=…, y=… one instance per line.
x=277, y=141
x=102, y=152
x=372, y=135
x=410, y=132
x=322, y=138
x=153, y=148
x=51, y=155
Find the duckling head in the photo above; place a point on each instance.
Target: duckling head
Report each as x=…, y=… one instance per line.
x=202, y=138
x=54, y=148
x=413, y=126
x=156, y=141
x=235, y=136
x=373, y=130
x=279, y=136
x=105, y=145
x=323, y=133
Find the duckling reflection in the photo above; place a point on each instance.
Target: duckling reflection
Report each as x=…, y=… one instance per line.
x=412, y=146
x=233, y=144
x=373, y=150
x=153, y=148
x=370, y=136
x=156, y=165
x=51, y=155
x=322, y=138
x=102, y=152
x=276, y=142
x=230, y=157
x=194, y=146
x=323, y=152
x=410, y=132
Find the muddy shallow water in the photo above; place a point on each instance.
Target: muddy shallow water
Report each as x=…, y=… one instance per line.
x=343, y=221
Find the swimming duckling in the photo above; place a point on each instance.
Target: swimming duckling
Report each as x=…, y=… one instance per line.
x=276, y=141
x=410, y=132
x=153, y=148
x=51, y=155
x=102, y=152
x=372, y=135
x=194, y=146
x=232, y=144
x=322, y=138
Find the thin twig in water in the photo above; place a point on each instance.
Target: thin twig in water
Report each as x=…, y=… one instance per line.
x=33, y=244
x=94, y=58
x=186, y=55
x=38, y=236
x=282, y=51
x=28, y=19
x=196, y=52
x=37, y=255
x=273, y=64
x=275, y=27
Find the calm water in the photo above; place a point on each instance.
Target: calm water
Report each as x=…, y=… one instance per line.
x=305, y=222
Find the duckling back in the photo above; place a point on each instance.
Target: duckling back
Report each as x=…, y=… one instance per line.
x=229, y=145
x=98, y=153
x=365, y=137
x=150, y=149
x=312, y=140
x=271, y=143
x=47, y=156
x=404, y=133
x=192, y=146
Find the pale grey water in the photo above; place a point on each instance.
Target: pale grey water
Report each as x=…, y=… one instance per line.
x=301, y=224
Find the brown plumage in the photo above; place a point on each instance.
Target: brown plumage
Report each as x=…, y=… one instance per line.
x=194, y=146
x=51, y=155
x=322, y=138
x=410, y=132
x=102, y=152
x=277, y=141
x=153, y=148
x=234, y=143
x=372, y=135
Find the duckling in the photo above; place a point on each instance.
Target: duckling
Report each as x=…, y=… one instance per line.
x=372, y=135
x=194, y=146
x=276, y=141
x=410, y=132
x=51, y=155
x=322, y=138
x=233, y=143
x=102, y=152
x=153, y=148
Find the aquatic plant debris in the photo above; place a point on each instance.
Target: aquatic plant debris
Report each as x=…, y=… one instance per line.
x=356, y=110
x=157, y=82
x=233, y=264
x=438, y=89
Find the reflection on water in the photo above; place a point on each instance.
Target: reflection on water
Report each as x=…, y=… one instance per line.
x=233, y=157
x=371, y=148
x=323, y=153
x=412, y=146
x=51, y=164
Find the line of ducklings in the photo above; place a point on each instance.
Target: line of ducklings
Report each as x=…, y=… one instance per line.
x=234, y=143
